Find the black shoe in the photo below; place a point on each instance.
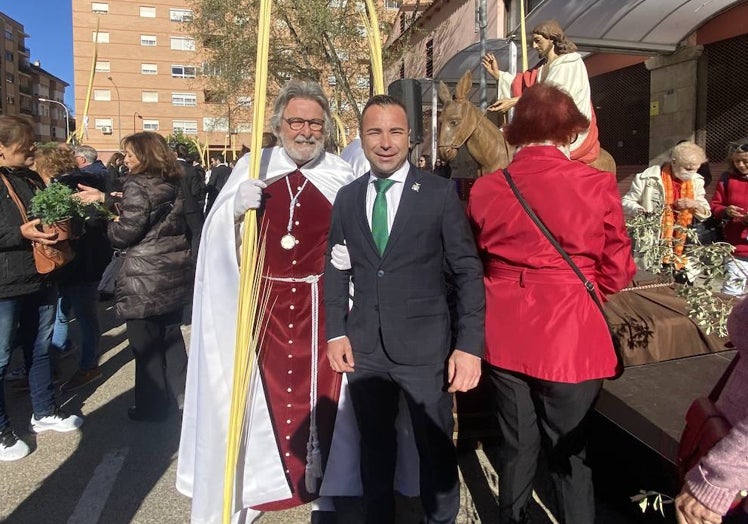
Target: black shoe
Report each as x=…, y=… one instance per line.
x=133, y=413
x=323, y=517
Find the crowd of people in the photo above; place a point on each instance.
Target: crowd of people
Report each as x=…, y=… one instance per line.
x=385, y=297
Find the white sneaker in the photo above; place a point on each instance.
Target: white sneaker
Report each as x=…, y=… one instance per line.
x=57, y=421
x=12, y=447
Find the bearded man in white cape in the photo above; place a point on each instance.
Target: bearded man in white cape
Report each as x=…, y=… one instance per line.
x=297, y=403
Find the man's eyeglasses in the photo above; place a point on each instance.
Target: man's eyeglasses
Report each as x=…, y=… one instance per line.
x=297, y=124
x=743, y=148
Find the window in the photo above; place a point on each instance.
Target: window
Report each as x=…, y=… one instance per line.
x=180, y=15
x=182, y=43
x=102, y=122
x=11, y=100
x=103, y=95
x=150, y=125
x=332, y=80
x=148, y=40
x=10, y=78
x=362, y=83
x=8, y=35
x=9, y=56
x=149, y=69
x=392, y=4
x=103, y=66
x=244, y=127
x=101, y=38
x=184, y=99
x=149, y=96
x=147, y=12
x=99, y=7
x=183, y=71
x=218, y=124
x=188, y=127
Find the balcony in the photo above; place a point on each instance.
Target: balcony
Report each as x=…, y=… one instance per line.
x=27, y=110
x=23, y=50
x=25, y=90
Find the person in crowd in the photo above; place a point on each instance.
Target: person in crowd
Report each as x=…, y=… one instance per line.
x=424, y=163
x=219, y=174
x=77, y=281
x=193, y=190
x=155, y=281
x=401, y=227
x=548, y=347
x=88, y=162
x=27, y=300
x=677, y=190
x=730, y=203
x=559, y=65
x=713, y=484
x=117, y=171
x=442, y=168
x=298, y=183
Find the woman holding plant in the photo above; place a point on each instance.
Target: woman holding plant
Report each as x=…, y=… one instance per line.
x=27, y=300
x=155, y=282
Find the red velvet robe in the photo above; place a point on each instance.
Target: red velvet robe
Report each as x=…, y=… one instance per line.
x=285, y=357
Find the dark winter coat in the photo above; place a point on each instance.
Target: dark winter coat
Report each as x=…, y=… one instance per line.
x=157, y=272
x=18, y=275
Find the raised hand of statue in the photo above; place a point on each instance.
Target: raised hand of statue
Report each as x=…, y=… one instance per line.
x=491, y=64
x=503, y=104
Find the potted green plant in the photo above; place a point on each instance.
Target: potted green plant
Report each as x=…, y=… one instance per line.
x=56, y=207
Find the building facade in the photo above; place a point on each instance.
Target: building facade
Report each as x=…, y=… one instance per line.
x=144, y=74
x=22, y=84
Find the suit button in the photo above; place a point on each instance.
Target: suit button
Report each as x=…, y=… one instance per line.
x=380, y=273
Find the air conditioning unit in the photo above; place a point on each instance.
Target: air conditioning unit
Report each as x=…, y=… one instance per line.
x=107, y=130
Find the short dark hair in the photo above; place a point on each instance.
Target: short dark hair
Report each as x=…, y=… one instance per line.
x=545, y=113
x=381, y=101
x=182, y=150
x=217, y=156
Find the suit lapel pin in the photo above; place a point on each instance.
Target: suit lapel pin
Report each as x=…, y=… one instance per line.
x=416, y=187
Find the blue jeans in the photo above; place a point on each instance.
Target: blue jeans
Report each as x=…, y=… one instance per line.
x=34, y=316
x=83, y=299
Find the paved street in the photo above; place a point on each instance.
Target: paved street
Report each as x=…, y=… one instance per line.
x=116, y=471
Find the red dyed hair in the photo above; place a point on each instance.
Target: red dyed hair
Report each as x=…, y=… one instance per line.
x=545, y=113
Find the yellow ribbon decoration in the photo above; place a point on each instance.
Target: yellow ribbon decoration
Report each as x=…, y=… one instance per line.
x=523, y=32
x=79, y=131
x=375, y=46
x=247, y=326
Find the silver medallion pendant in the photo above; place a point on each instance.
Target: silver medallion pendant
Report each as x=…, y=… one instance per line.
x=288, y=241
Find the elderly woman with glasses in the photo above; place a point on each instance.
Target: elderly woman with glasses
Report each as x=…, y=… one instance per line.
x=730, y=203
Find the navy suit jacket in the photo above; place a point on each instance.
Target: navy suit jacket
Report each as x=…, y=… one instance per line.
x=402, y=293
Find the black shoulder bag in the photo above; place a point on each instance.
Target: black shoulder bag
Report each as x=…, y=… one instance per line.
x=589, y=286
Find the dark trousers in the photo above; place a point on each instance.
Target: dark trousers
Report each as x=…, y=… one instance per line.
x=375, y=389
x=537, y=415
x=160, y=362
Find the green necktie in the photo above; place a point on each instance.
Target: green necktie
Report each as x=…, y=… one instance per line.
x=379, y=228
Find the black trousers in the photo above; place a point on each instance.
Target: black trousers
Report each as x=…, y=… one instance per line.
x=375, y=388
x=160, y=362
x=537, y=415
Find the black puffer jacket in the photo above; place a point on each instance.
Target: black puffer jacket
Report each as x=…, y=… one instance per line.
x=157, y=273
x=18, y=274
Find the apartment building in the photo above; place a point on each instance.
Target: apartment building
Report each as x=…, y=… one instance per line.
x=23, y=83
x=146, y=76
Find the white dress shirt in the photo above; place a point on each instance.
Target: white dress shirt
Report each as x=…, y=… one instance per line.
x=393, y=194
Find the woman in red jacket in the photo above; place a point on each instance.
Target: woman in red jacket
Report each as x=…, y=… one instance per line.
x=730, y=202
x=547, y=343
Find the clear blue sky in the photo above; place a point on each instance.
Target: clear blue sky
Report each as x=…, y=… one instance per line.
x=49, y=24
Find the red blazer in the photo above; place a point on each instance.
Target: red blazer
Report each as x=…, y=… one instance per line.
x=540, y=320
x=735, y=193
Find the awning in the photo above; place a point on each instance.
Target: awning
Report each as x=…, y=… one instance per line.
x=648, y=27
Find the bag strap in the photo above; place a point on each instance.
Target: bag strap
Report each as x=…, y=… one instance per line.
x=589, y=286
x=720, y=385
x=14, y=196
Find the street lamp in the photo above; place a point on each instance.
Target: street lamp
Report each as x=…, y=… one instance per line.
x=133, y=120
x=119, y=111
x=67, y=115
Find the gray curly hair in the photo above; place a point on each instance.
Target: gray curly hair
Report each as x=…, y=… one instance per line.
x=301, y=89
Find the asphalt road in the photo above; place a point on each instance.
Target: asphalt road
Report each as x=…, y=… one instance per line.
x=115, y=471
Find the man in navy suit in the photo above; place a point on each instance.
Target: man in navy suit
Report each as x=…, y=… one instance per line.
x=403, y=229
